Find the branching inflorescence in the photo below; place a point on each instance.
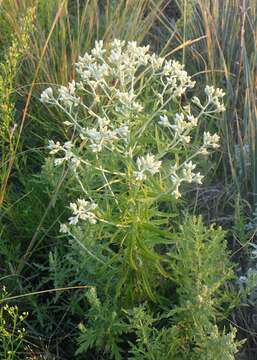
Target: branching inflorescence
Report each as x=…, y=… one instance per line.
x=125, y=110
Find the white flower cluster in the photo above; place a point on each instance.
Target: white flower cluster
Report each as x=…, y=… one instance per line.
x=126, y=97
x=67, y=95
x=181, y=125
x=209, y=141
x=83, y=210
x=117, y=68
x=103, y=136
x=214, y=100
x=176, y=78
x=145, y=165
x=119, y=64
x=127, y=102
x=66, y=149
x=47, y=96
x=215, y=97
x=184, y=173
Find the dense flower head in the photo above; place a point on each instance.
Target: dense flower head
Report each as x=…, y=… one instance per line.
x=67, y=95
x=66, y=150
x=147, y=164
x=47, y=95
x=210, y=141
x=83, y=210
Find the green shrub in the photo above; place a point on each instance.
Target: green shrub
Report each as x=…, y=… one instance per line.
x=183, y=325
x=125, y=107
x=130, y=152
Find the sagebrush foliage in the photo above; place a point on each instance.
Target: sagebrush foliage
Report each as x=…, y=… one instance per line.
x=183, y=325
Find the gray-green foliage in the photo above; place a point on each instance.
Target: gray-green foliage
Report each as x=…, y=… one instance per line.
x=159, y=291
x=183, y=325
x=104, y=329
x=200, y=267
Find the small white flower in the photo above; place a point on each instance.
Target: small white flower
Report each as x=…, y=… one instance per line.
x=83, y=210
x=173, y=169
x=67, y=95
x=164, y=121
x=136, y=106
x=47, y=96
x=96, y=148
x=103, y=122
x=198, y=178
x=117, y=44
x=181, y=126
x=175, y=179
x=215, y=97
x=219, y=93
x=68, y=145
x=147, y=164
x=220, y=107
x=197, y=101
x=123, y=132
x=94, y=135
x=64, y=229
x=98, y=50
x=193, y=120
x=66, y=149
x=140, y=175
x=210, y=140
x=125, y=97
x=104, y=137
x=55, y=147
x=177, y=78
x=59, y=161
x=138, y=53
x=176, y=193
x=186, y=175
x=75, y=162
x=190, y=166
x=209, y=90
x=188, y=171
x=116, y=56
x=156, y=61
x=186, y=139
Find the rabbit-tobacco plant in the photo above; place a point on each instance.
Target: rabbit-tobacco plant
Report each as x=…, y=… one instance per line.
x=130, y=150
